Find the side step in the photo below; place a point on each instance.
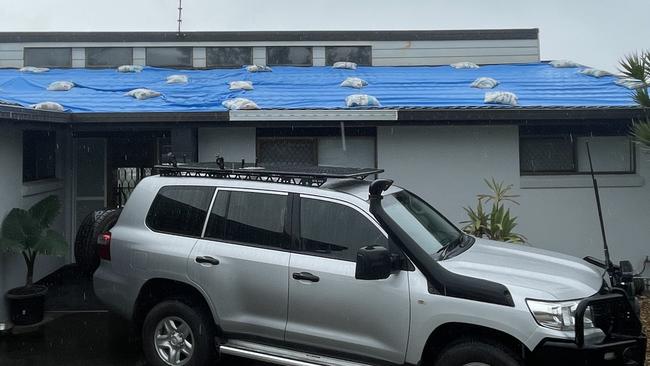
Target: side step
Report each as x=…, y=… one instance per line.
x=280, y=356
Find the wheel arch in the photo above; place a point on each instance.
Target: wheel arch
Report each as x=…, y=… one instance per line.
x=450, y=332
x=155, y=290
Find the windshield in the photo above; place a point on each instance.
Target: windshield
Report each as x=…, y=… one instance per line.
x=421, y=222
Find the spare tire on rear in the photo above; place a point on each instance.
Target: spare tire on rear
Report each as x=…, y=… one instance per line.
x=85, y=244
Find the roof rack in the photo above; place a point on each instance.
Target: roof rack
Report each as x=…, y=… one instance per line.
x=313, y=176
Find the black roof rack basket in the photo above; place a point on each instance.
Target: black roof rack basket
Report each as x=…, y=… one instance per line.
x=314, y=176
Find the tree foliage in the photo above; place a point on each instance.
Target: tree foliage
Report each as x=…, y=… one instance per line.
x=497, y=223
x=28, y=232
x=637, y=67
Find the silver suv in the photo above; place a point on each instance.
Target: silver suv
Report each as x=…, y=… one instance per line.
x=322, y=268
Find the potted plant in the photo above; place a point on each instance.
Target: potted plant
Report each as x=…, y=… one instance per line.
x=28, y=232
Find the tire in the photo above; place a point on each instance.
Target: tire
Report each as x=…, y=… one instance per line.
x=201, y=335
x=85, y=244
x=477, y=352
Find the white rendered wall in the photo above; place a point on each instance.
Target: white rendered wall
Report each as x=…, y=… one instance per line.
x=446, y=166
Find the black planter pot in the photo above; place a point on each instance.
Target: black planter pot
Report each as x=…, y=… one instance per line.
x=26, y=304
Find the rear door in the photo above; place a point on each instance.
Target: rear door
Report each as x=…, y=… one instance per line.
x=328, y=308
x=242, y=261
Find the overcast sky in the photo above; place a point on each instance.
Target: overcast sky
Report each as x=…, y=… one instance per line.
x=592, y=32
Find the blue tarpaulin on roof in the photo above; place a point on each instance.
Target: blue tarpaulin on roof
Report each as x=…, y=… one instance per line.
x=103, y=90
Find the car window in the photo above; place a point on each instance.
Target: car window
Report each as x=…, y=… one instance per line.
x=249, y=218
x=180, y=209
x=335, y=231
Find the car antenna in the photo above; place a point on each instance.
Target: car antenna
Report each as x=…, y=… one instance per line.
x=608, y=261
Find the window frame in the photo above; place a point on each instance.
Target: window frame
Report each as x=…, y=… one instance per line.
x=287, y=219
x=53, y=135
x=311, y=51
x=327, y=63
x=105, y=66
x=575, y=136
x=190, y=66
x=231, y=66
x=205, y=219
x=296, y=225
x=69, y=49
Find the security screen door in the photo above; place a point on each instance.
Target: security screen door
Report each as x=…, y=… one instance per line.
x=89, y=177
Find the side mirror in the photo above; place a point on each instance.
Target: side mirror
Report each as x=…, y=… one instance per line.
x=374, y=262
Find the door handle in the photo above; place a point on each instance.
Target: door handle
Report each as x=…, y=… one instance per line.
x=305, y=276
x=206, y=259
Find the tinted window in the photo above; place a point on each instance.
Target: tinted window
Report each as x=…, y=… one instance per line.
x=180, y=210
x=360, y=55
x=250, y=218
x=287, y=151
x=229, y=56
x=335, y=231
x=169, y=56
x=108, y=56
x=39, y=155
x=48, y=57
x=291, y=56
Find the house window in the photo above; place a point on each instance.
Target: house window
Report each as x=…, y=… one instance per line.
x=108, y=56
x=288, y=151
x=169, y=56
x=39, y=155
x=567, y=154
x=48, y=57
x=229, y=56
x=289, y=56
x=358, y=54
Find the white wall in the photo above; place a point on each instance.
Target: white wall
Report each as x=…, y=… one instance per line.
x=233, y=144
x=595, y=33
x=13, y=193
x=446, y=166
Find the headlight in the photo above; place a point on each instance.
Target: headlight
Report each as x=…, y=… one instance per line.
x=558, y=315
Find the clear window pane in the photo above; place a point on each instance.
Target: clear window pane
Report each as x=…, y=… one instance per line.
x=249, y=218
x=229, y=56
x=180, y=209
x=610, y=154
x=169, y=56
x=335, y=231
x=108, y=56
x=358, y=54
x=290, y=56
x=48, y=57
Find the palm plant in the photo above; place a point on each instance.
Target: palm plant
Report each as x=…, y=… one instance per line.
x=637, y=67
x=27, y=232
x=498, y=223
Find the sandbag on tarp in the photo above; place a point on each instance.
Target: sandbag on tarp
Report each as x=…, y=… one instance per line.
x=241, y=85
x=464, y=65
x=177, y=79
x=356, y=83
x=239, y=103
x=60, y=86
x=142, y=93
x=35, y=70
x=345, y=65
x=500, y=97
x=484, y=83
x=49, y=106
x=258, y=68
x=563, y=64
x=130, y=68
x=361, y=100
x=595, y=72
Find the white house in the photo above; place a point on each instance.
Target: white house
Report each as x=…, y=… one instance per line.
x=434, y=134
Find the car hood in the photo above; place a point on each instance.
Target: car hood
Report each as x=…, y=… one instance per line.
x=530, y=272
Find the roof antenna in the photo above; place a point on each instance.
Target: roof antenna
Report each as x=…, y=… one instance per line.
x=608, y=261
x=180, y=18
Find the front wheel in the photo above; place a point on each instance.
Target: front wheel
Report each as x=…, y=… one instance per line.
x=175, y=334
x=476, y=352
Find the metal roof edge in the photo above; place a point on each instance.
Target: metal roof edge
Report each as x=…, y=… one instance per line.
x=522, y=113
x=247, y=36
x=16, y=113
